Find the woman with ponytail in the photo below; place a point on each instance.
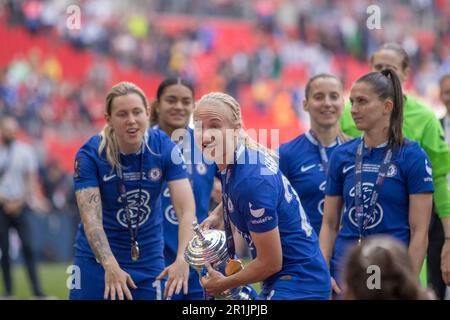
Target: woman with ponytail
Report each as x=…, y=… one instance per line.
x=262, y=205
x=118, y=179
x=305, y=159
x=380, y=183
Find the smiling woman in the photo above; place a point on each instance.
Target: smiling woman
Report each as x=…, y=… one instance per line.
x=262, y=205
x=324, y=102
x=171, y=112
x=118, y=178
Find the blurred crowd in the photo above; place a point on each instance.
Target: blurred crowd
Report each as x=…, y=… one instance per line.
x=290, y=40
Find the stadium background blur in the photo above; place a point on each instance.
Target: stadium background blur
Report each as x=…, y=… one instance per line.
x=53, y=78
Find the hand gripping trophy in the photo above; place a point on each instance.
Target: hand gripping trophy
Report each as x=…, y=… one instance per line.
x=211, y=246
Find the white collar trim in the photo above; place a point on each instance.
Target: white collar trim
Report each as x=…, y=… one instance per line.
x=314, y=141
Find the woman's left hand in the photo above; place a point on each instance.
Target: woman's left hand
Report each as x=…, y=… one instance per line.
x=178, y=277
x=213, y=283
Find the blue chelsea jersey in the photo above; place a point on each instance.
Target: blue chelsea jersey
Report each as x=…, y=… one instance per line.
x=300, y=162
x=201, y=176
x=162, y=161
x=258, y=198
x=409, y=173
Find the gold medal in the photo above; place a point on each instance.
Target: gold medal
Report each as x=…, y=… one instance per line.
x=135, y=251
x=233, y=266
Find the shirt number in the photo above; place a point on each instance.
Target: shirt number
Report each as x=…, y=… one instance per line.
x=288, y=196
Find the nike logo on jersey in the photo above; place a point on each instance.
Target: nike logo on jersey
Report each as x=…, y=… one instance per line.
x=306, y=168
x=347, y=169
x=107, y=178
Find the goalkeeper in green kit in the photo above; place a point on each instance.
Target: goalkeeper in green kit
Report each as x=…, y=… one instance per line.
x=420, y=124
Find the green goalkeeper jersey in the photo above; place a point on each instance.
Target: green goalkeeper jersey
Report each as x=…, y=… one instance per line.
x=421, y=125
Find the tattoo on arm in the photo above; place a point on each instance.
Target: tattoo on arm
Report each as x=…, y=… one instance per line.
x=90, y=206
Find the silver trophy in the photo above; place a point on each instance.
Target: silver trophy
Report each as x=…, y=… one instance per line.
x=210, y=246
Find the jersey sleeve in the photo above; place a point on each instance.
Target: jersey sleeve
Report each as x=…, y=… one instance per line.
x=335, y=179
x=419, y=171
x=433, y=142
x=257, y=201
x=174, y=165
x=85, y=171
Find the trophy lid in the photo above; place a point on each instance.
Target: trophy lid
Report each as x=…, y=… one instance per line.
x=206, y=246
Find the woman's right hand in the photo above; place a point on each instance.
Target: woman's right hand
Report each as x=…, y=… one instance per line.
x=214, y=220
x=117, y=281
x=335, y=286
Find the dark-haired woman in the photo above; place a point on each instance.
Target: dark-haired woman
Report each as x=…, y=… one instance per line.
x=171, y=112
x=420, y=124
x=380, y=183
x=307, y=173
x=388, y=258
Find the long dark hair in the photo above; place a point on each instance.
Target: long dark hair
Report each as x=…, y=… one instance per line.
x=387, y=85
x=162, y=86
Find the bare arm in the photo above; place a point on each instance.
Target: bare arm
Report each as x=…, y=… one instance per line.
x=116, y=280
x=215, y=219
x=90, y=207
x=330, y=225
x=445, y=255
x=184, y=205
x=420, y=205
x=268, y=262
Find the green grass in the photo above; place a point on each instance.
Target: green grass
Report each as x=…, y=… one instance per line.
x=53, y=279
x=423, y=274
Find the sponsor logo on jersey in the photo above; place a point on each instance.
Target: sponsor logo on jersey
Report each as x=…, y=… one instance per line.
x=170, y=215
x=377, y=217
x=166, y=193
x=323, y=185
x=320, y=206
x=257, y=213
x=144, y=209
x=261, y=220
